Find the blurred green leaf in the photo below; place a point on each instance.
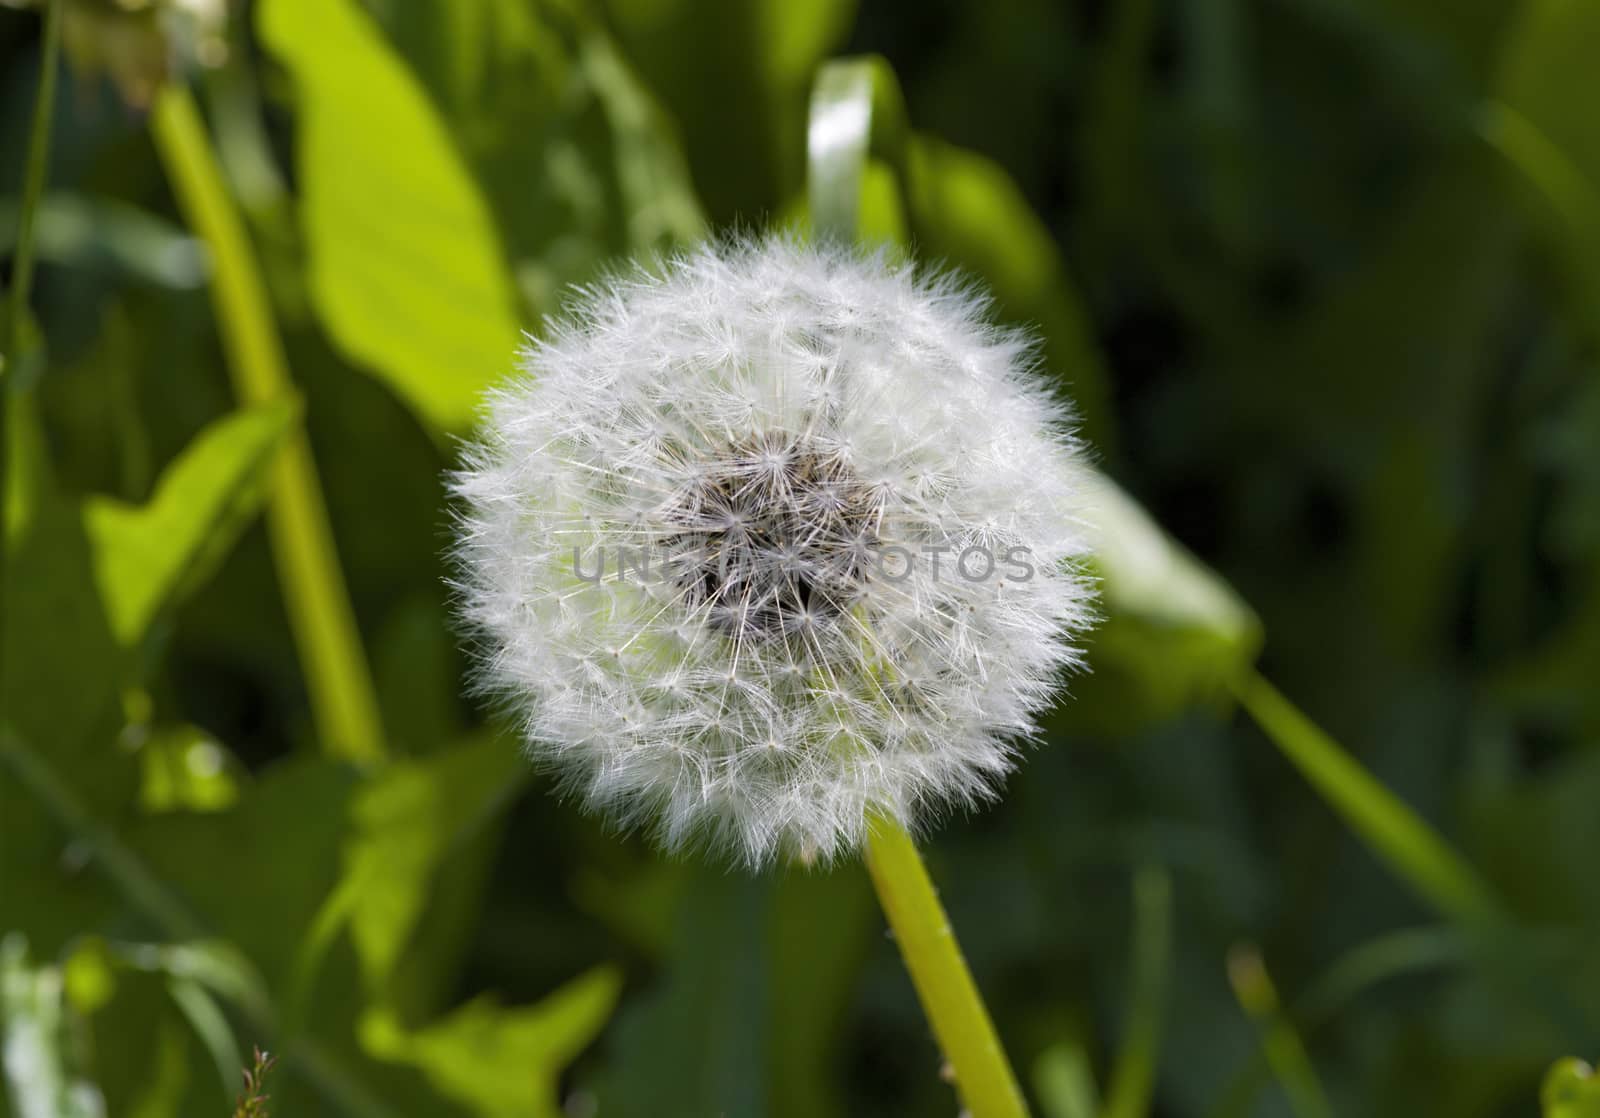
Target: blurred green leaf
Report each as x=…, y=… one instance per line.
x=1552, y=135
x=736, y=74
x=84, y=230
x=405, y=822
x=1063, y=1080
x=63, y=663
x=94, y=586
x=968, y=212
x=755, y=981
x=1571, y=1091
x=147, y=556
x=1173, y=628
x=183, y=768
x=698, y=1041
x=502, y=1062
x=1549, y=55
x=406, y=266
x=658, y=202
x=256, y=874
x=84, y=583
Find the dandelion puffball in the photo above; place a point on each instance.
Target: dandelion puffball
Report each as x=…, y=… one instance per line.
x=771, y=538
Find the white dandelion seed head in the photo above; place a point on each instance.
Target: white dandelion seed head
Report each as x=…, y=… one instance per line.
x=772, y=537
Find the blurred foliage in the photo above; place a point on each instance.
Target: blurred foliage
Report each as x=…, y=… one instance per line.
x=1324, y=282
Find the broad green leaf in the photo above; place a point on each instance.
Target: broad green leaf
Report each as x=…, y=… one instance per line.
x=756, y=981
x=84, y=582
x=87, y=578
x=256, y=874
x=502, y=1062
x=406, y=266
x=700, y=1040
x=480, y=59
x=577, y=159
x=406, y=822
x=146, y=556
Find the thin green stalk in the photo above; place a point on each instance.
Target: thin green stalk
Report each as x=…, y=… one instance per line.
x=1133, y=1077
x=1395, y=833
x=344, y=701
x=1284, y=1049
x=950, y=998
x=16, y=307
x=1573, y=207
x=1396, y=955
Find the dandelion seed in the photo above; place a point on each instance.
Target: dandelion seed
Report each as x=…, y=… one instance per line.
x=795, y=437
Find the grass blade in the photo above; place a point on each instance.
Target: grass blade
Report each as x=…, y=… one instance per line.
x=1395, y=833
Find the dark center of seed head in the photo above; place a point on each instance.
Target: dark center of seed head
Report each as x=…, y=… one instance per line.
x=771, y=538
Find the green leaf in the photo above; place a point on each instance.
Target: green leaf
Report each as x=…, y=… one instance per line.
x=748, y=1012
x=62, y=663
x=1172, y=626
x=1063, y=1080
x=504, y=1063
x=1551, y=134
x=91, y=231
x=406, y=822
x=735, y=74
x=968, y=212
x=1571, y=1090
x=698, y=1041
x=405, y=264
x=146, y=556
x=658, y=201
x=183, y=768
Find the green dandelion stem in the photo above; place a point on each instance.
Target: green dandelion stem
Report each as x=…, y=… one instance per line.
x=857, y=111
x=944, y=985
x=344, y=701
